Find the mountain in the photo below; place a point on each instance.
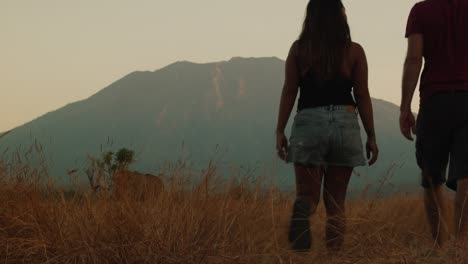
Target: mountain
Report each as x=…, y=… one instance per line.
x=224, y=111
x=2, y=134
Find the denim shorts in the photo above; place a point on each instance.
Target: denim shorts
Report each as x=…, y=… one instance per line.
x=326, y=136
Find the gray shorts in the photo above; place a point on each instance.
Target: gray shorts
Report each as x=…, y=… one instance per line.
x=442, y=139
x=328, y=136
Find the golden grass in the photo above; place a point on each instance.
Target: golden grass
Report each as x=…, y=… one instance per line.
x=208, y=223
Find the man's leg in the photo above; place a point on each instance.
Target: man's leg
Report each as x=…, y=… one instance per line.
x=459, y=166
x=435, y=210
x=461, y=209
x=433, y=147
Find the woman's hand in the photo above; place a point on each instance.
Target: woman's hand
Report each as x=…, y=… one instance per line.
x=281, y=145
x=372, y=150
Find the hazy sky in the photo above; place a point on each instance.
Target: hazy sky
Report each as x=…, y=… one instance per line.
x=53, y=52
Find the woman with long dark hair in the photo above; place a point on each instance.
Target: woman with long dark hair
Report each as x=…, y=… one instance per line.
x=330, y=71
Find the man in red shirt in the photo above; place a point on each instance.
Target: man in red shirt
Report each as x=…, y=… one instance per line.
x=437, y=31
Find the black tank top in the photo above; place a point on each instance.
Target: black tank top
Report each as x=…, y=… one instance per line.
x=316, y=93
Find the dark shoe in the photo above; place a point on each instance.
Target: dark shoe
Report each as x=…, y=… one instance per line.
x=299, y=229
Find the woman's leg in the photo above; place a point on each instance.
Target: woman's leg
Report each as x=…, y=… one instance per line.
x=335, y=188
x=308, y=185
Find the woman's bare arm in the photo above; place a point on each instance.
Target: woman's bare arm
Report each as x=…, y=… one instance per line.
x=290, y=90
x=288, y=99
x=363, y=100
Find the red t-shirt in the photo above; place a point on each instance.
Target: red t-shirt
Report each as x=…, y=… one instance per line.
x=444, y=26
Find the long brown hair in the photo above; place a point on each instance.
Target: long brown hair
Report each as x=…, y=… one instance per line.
x=325, y=38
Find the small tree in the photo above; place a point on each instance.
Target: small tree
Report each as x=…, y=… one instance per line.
x=123, y=159
x=101, y=170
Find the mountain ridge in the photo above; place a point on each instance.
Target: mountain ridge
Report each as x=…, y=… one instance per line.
x=176, y=64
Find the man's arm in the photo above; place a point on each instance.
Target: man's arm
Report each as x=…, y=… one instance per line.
x=412, y=70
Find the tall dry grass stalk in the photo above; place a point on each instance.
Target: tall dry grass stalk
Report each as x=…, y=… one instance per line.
x=213, y=221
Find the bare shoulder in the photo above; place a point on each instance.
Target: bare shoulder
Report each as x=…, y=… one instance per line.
x=357, y=51
x=294, y=50
x=357, y=54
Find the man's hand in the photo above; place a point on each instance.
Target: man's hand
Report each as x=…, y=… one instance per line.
x=281, y=145
x=407, y=124
x=372, y=150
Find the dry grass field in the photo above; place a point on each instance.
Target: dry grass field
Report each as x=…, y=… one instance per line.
x=212, y=222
